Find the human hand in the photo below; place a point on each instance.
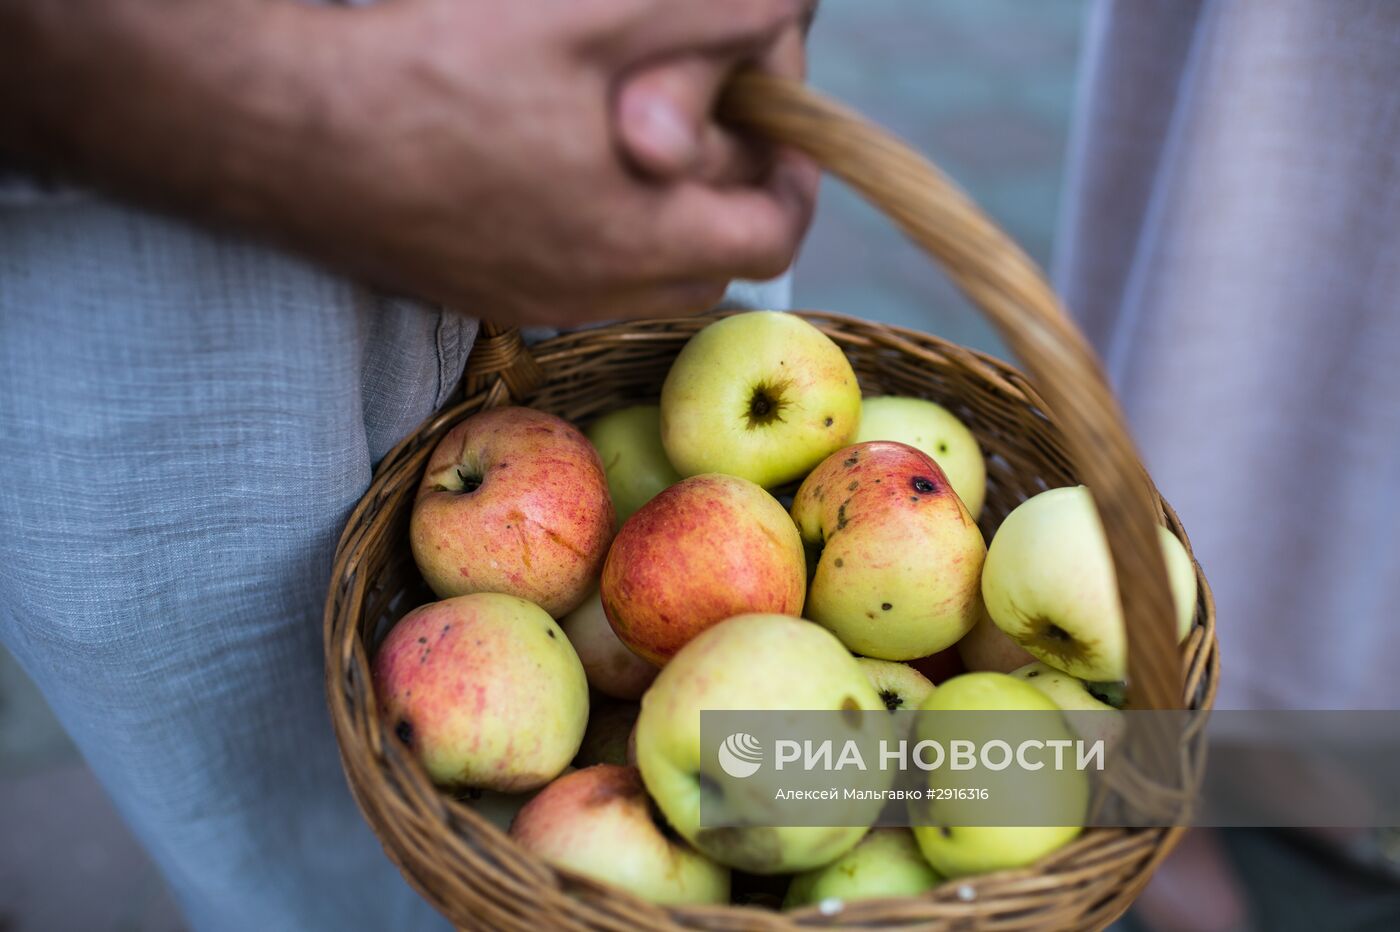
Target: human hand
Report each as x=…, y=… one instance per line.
x=551, y=162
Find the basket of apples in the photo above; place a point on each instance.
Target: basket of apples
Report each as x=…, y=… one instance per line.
x=621, y=527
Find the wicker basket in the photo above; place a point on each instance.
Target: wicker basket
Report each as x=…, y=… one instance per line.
x=1057, y=426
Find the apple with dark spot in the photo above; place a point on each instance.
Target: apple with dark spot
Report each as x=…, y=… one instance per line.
x=899, y=685
x=899, y=555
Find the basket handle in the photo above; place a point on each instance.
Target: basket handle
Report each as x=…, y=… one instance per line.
x=1011, y=291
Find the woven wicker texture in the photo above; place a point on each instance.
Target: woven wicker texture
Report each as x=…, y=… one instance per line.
x=1056, y=425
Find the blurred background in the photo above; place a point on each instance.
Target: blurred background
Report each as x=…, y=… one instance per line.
x=986, y=88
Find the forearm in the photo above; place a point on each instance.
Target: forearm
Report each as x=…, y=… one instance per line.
x=200, y=108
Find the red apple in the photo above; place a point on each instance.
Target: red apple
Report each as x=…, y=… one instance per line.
x=513, y=500
x=596, y=822
x=708, y=548
x=485, y=690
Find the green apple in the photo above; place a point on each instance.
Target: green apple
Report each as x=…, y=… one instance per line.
x=1073, y=695
x=988, y=648
x=957, y=851
x=751, y=662
x=763, y=395
x=886, y=863
x=596, y=822
x=462, y=680
x=935, y=430
x=629, y=442
x=1048, y=583
x=899, y=554
x=899, y=685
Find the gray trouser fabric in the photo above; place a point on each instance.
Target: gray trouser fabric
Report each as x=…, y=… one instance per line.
x=1231, y=243
x=186, y=421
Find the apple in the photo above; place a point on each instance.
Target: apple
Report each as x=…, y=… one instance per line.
x=1073, y=695
x=629, y=442
x=886, y=863
x=935, y=430
x=899, y=685
x=900, y=555
x=612, y=668
x=707, y=548
x=609, y=732
x=956, y=851
x=596, y=822
x=513, y=500
x=763, y=395
x=485, y=690
x=941, y=666
x=1048, y=583
x=752, y=662
x=988, y=648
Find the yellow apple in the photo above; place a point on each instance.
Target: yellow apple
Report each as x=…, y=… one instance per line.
x=899, y=685
x=886, y=863
x=956, y=851
x=763, y=395
x=1073, y=696
x=752, y=662
x=1048, y=583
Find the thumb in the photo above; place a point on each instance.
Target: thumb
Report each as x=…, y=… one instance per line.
x=665, y=124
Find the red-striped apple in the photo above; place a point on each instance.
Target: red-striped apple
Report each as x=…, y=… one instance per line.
x=513, y=500
x=708, y=548
x=596, y=822
x=988, y=648
x=485, y=690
